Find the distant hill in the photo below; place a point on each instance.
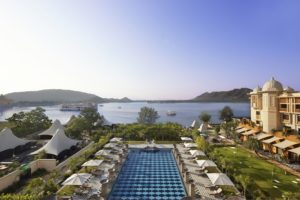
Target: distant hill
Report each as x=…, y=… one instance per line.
x=53, y=96
x=235, y=95
x=4, y=101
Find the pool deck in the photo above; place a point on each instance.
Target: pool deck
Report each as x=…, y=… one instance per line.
x=191, y=175
x=201, y=183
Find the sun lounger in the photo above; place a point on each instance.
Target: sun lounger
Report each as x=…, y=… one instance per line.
x=216, y=192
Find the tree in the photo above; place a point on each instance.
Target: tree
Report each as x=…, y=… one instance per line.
x=50, y=187
x=86, y=120
x=202, y=144
x=229, y=129
x=204, y=117
x=29, y=122
x=147, y=116
x=245, y=182
x=76, y=127
x=91, y=117
x=41, y=155
x=217, y=129
x=253, y=144
x=35, y=187
x=226, y=114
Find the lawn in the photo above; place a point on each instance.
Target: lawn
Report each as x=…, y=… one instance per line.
x=243, y=163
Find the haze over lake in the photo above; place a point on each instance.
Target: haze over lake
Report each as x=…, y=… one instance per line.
x=128, y=112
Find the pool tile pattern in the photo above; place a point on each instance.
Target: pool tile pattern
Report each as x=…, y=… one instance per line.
x=148, y=176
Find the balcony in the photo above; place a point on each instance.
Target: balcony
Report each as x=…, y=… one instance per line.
x=285, y=121
x=283, y=109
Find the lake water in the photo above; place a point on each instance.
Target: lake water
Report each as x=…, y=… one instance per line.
x=128, y=112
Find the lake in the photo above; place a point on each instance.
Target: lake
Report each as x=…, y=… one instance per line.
x=128, y=112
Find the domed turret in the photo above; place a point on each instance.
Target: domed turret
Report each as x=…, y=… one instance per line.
x=272, y=86
x=256, y=90
x=289, y=89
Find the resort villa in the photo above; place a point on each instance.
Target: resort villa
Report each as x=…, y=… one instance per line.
x=273, y=107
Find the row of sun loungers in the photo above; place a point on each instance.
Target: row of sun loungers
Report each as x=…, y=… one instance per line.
x=104, y=172
x=198, y=173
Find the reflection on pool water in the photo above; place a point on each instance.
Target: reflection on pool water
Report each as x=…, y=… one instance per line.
x=148, y=176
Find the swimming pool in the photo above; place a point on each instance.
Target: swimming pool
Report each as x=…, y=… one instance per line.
x=148, y=176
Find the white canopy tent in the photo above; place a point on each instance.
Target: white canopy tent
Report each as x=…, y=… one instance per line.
x=9, y=141
x=219, y=179
x=116, y=139
x=57, y=144
x=203, y=127
x=77, y=179
x=190, y=145
x=186, y=139
x=193, y=124
x=92, y=163
x=196, y=153
x=52, y=130
x=103, y=152
x=106, y=166
x=110, y=145
x=206, y=163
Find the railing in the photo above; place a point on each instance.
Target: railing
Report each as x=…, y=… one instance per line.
x=283, y=109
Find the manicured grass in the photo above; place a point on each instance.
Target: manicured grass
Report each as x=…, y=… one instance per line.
x=260, y=171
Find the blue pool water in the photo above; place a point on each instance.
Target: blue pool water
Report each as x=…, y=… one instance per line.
x=148, y=176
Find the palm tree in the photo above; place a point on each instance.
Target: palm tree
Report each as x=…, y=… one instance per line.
x=253, y=144
x=223, y=163
x=205, y=117
x=226, y=114
x=245, y=182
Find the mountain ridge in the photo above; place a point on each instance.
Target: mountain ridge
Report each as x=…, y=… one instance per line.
x=235, y=95
x=59, y=96
x=54, y=96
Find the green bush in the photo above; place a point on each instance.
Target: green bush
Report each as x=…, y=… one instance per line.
x=18, y=197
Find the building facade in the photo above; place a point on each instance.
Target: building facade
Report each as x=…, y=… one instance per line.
x=273, y=107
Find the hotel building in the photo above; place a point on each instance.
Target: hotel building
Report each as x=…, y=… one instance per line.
x=273, y=107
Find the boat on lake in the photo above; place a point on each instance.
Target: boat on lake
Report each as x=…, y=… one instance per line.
x=171, y=113
x=77, y=106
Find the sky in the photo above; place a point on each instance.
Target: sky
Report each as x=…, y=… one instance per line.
x=148, y=49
